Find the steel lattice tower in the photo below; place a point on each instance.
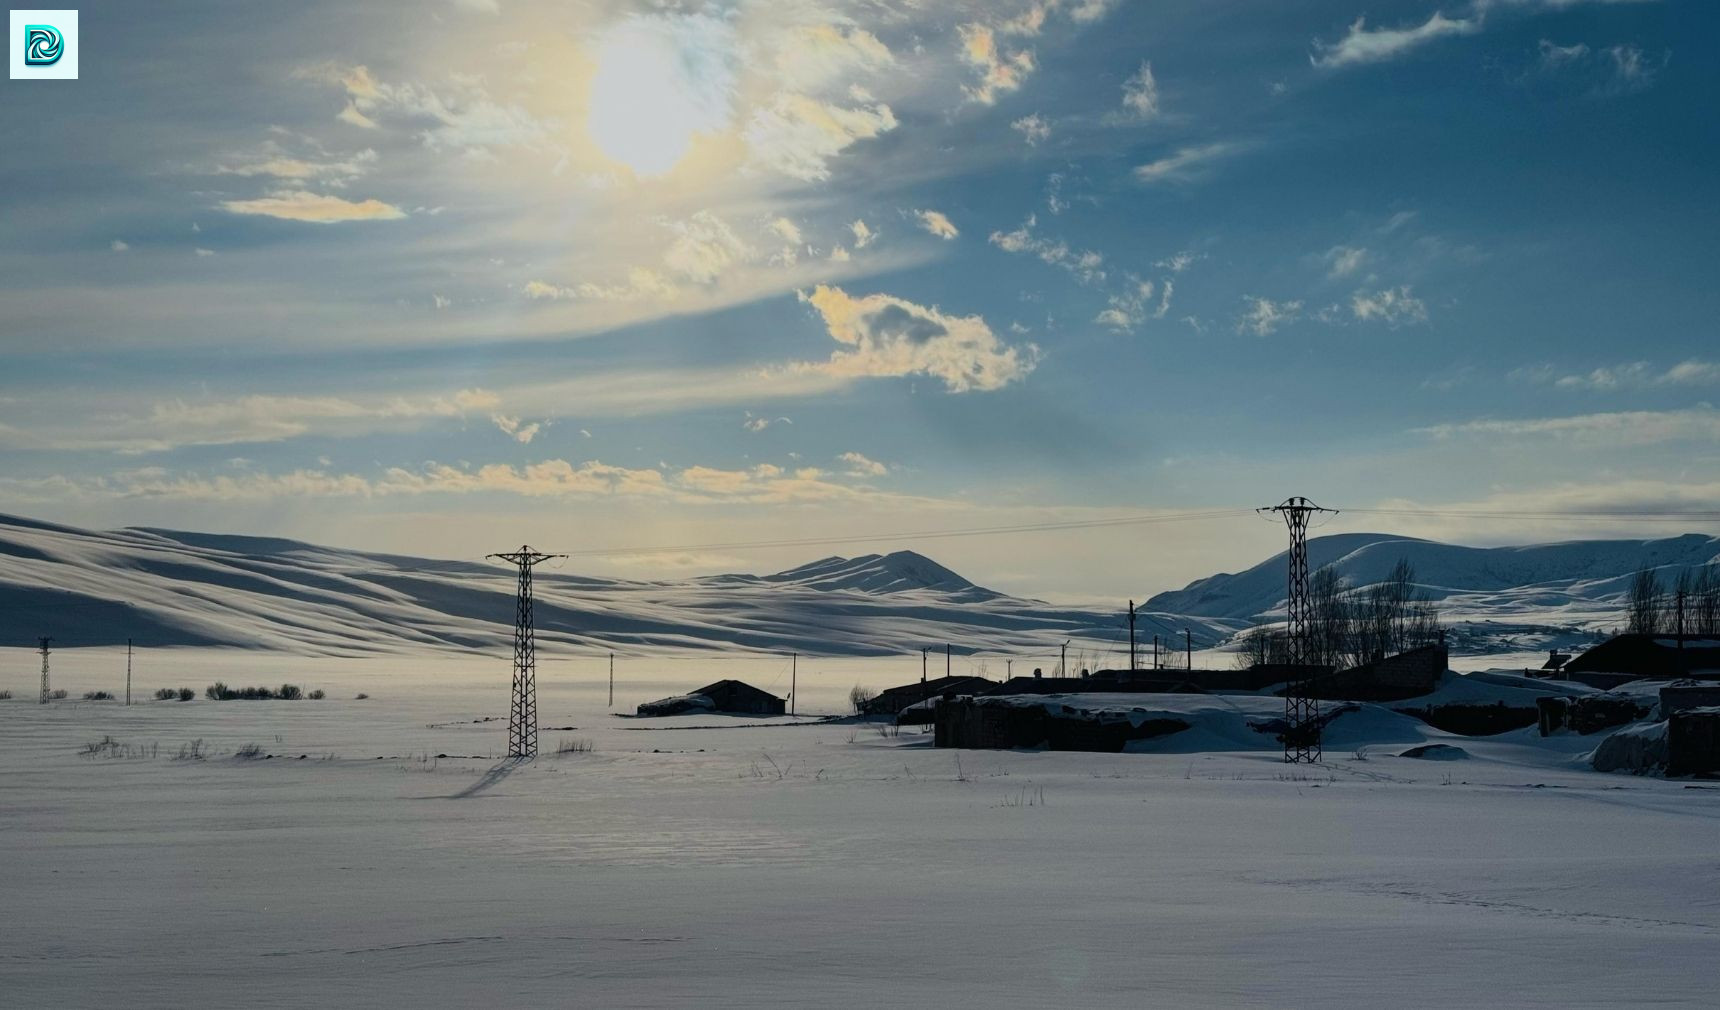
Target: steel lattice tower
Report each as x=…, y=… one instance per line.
x=1301, y=706
x=522, y=714
x=44, y=650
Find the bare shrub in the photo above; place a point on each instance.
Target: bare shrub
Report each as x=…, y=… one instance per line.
x=318, y=695
x=249, y=752
x=192, y=751
x=572, y=745
x=186, y=694
x=58, y=694
x=167, y=694
x=98, y=695
x=5, y=695
x=859, y=697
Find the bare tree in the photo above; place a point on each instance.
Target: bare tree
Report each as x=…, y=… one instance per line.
x=1262, y=646
x=1645, y=603
x=1705, y=608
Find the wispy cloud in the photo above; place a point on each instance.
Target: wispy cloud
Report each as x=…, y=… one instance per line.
x=1362, y=44
x=1619, y=428
x=1392, y=306
x=1185, y=163
x=1086, y=264
x=299, y=205
x=1034, y=129
x=936, y=223
x=1631, y=375
x=1263, y=316
x=888, y=336
x=1141, y=93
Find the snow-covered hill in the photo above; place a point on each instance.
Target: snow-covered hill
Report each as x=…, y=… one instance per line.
x=162, y=587
x=1575, y=583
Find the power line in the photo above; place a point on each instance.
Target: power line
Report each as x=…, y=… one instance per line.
x=976, y=531
x=1552, y=515
x=1545, y=515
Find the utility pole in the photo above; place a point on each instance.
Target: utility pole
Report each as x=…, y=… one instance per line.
x=1131, y=636
x=1063, y=659
x=1188, y=650
x=1681, y=619
x=44, y=647
x=946, y=661
x=793, y=674
x=1301, y=706
x=1155, y=652
x=1009, y=669
x=922, y=664
x=522, y=714
x=612, y=680
x=128, y=672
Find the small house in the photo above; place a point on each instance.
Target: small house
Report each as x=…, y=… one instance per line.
x=724, y=696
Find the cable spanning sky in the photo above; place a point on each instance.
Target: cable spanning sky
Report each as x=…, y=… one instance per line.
x=438, y=278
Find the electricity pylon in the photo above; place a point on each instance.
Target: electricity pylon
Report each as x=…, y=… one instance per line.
x=1301, y=706
x=522, y=714
x=44, y=649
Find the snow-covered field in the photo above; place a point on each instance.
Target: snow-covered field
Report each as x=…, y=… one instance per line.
x=708, y=860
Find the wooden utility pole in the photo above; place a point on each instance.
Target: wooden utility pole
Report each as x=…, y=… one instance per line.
x=1131, y=635
x=946, y=660
x=612, y=680
x=1063, y=659
x=793, y=679
x=1188, y=650
x=128, y=671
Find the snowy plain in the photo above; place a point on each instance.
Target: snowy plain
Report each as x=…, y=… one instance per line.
x=734, y=861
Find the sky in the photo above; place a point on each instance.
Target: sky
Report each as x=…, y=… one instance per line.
x=447, y=276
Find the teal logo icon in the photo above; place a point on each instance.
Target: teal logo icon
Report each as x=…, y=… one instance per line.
x=43, y=45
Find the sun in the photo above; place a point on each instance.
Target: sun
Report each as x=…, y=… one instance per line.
x=658, y=85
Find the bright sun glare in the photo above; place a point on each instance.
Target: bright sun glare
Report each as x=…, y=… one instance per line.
x=650, y=97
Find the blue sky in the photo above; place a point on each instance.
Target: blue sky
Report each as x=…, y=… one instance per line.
x=443, y=277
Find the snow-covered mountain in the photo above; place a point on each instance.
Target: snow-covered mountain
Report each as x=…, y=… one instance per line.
x=1578, y=582
x=164, y=587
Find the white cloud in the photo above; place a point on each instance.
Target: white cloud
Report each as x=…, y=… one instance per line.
x=704, y=247
x=271, y=159
x=549, y=479
x=860, y=466
x=1343, y=260
x=936, y=223
x=799, y=136
x=999, y=70
x=522, y=433
x=1392, y=306
x=1141, y=93
x=117, y=246
x=1178, y=263
x=1262, y=316
x=1620, y=428
x=812, y=57
x=1084, y=264
x=889, y=336
x=1034, y=128
x=1185, y=163
x=163, y=425
x=461, y=115
x=1635, y=375
x=1364, y=45
x=299, y=205
x=1127, y=310
x=200, y=251
x=863, y=236
x=758, y=424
